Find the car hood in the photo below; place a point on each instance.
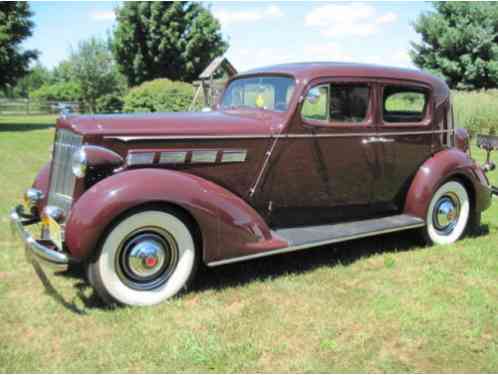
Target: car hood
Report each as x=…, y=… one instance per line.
x=179, y=124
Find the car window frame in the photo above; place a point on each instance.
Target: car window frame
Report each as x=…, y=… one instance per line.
x=427, y=117
x=368, y=121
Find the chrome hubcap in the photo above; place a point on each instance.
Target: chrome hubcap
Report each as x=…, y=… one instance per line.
x=446, y=213
x=146, y=258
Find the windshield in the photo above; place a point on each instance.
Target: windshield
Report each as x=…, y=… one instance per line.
x=272, y=93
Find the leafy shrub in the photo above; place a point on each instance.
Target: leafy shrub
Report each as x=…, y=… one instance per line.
x=109, y=103
x=61, y=91
x=159, y=95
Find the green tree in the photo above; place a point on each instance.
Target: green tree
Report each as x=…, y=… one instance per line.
x=174, y=40
x=68, y=91
x=93, y=68
x=33, y=80
x=459, y=43
x=15, y=27
x=62, y=72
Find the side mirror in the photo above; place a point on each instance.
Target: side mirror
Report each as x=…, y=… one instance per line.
x=313, y=95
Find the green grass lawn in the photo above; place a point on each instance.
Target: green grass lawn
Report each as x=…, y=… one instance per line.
x=380, y=304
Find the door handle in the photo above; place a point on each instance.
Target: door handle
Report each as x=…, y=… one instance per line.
x=369, y=140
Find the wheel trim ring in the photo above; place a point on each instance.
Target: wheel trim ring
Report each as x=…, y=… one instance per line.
x=155, y=280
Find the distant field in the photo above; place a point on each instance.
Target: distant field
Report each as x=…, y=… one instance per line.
x=375, y=305
x=477, y=110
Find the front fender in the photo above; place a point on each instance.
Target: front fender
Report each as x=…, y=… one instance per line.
x=42, y=183
x=447, y=164
x=229, y=226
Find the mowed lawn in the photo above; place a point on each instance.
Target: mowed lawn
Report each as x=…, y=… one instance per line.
x=382, y=304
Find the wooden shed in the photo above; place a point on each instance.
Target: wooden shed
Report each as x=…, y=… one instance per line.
x=211, y=82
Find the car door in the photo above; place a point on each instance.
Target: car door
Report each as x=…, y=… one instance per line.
x=405, y=132
x=324, y=169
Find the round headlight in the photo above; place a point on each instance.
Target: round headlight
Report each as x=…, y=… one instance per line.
x=79, y=163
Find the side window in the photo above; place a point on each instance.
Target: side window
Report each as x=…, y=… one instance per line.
x=404, y=104
x=342, y=103
x=348, y=103
x=315, y=106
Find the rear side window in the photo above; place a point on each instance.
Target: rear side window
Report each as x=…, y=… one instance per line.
x=404, y=104
x=337, y=103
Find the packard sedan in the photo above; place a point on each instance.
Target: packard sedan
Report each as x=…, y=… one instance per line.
x=290, y=158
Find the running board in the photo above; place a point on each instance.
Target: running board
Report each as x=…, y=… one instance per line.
x=301, y=238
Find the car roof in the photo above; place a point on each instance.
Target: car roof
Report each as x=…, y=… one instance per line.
x=311, y=70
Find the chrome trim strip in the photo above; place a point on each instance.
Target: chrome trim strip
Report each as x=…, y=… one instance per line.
x=233, y=156
x=310, y=245
x=265, y=136
x=203, y=156
x=372, y=134
x=173, y=157
x=184, y=137
x=140, y=158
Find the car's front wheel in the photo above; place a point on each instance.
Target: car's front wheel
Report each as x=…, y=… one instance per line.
x=448, y=214
x=146, y=258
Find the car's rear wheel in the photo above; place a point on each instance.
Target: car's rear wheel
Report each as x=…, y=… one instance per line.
x=448, y=214
x=145, y=259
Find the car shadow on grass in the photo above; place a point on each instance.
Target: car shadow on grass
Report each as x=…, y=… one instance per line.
x=294, y=263
x=24, y=127
x=268, y=268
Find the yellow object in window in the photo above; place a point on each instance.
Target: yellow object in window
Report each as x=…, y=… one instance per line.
x=260, y=102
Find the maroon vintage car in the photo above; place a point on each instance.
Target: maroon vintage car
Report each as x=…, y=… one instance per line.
x=293, y=156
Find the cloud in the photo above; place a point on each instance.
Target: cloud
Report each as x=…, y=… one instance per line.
x=228, y=18
x=356, y=19
x=103, y=16
x=389, y=17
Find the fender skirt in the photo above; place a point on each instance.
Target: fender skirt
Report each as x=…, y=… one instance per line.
x=228, y=225
x=444, y=165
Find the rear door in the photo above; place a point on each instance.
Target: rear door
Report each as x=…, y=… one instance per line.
x=405, y=131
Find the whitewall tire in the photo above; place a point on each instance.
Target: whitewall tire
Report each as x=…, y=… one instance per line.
x=145, y=259
x=448, y=214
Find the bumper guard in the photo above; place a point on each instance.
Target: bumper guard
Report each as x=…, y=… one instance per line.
x=39, y=249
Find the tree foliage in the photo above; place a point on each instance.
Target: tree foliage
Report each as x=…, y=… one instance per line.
x=67, y=91
x=36, y=77
x=160, y=95
x=15, y=27
x=92, y=67
x=459, y=43
x=174, y=40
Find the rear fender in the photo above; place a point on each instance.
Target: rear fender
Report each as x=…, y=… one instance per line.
x=447, y=164
x=228, y=225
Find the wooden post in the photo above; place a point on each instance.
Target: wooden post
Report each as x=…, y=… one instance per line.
x=205, y=90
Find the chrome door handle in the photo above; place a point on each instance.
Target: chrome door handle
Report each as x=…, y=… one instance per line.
x=369, y=140
x=386, y=140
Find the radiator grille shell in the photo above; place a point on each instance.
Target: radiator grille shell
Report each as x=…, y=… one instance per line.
x=62, y=179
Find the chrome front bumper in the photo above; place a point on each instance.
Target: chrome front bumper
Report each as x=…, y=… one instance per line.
x=41, y=250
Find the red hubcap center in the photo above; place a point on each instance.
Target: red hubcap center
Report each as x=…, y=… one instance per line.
x=150, y=261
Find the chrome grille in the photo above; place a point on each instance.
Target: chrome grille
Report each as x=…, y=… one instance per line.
x=62, y=179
